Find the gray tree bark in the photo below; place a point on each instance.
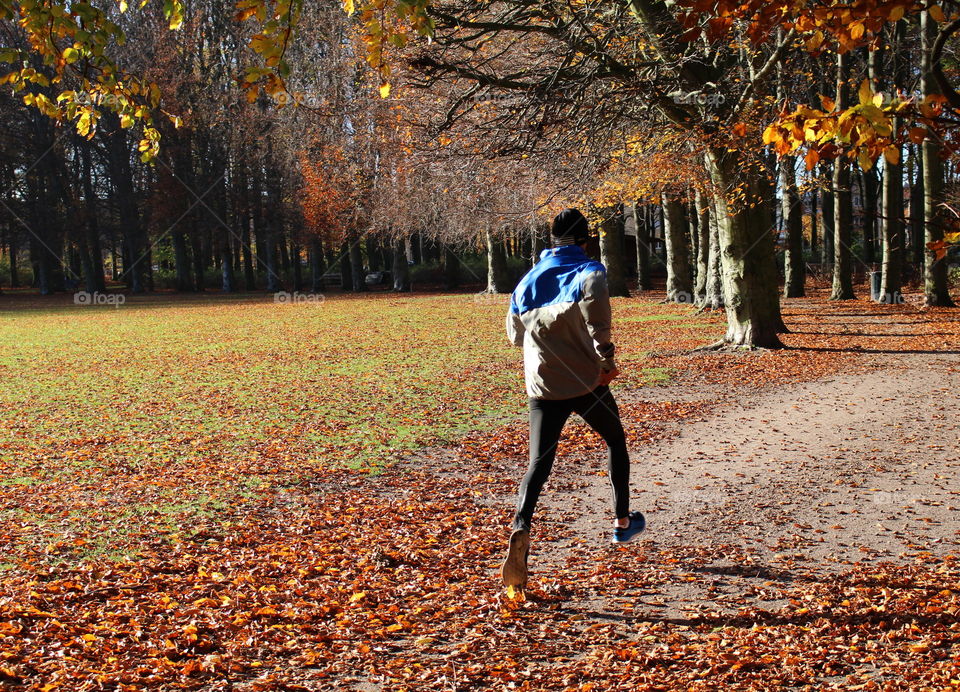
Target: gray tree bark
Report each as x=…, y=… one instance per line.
x=611, y=253
x=702, y=205
x=749, y=272
x=401, y=270
x=497, y=276
x=714, y=299
x=935, y=288
x=792, y=214
x=891, y=278
x=679, y=282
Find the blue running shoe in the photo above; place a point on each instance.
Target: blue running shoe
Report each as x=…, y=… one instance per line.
x=634, y=529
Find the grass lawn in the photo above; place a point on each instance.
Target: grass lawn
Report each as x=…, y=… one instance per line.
x=158, y=417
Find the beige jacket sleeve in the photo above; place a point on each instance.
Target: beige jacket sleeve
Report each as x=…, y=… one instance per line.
x=595, y=307
x=515, y=329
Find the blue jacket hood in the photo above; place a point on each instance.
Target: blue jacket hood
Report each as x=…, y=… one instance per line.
x=557, y=277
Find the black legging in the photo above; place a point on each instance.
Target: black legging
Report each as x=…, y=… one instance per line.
x=547, y=418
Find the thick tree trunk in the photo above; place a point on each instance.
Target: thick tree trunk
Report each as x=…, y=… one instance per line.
x=935, y=288
x=401, y=270
x=791, y=211
x=750, y=285
x=497, y=278
x=702, y=205
x=679, y=282
x=611, y=253
x=891, y=278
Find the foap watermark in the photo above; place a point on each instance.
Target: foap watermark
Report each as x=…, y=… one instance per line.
x=285, y=298
x=486, y=297
x=499, y=99
x=97, y=298
x=698, y=98
x=681, y=297
x=702, y=497
x=894, y=498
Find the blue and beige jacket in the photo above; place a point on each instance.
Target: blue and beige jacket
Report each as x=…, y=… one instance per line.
x=560, y=315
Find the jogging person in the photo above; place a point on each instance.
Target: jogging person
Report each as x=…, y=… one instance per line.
x=560, y=314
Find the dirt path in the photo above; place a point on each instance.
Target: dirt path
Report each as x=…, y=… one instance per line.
x=856, y=467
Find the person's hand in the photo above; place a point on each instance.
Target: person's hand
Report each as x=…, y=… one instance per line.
x=607, y=376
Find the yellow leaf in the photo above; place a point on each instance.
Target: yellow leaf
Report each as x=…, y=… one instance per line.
x=385, y=90
x=866, y=93
x=357, y=596
x=892, y=155
x=952, y=237
x=769, y=134
x=349, y=6
x=866, y=163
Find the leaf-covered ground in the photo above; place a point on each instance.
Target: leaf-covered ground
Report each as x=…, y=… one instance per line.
x=186, y=502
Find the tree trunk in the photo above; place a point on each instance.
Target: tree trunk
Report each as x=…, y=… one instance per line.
x=750, y=286
x=346, y=273
x=95, y=282
x=791, y=212
x=121, y=174
x=227, y=280
x=316, y=265
x=916, y=206
x=611, y=253
x=358, y=277
x=891, y=278
x=642, y=216
x=843, y=201
x=373, y=257
x=702, y=205
x=814, y=224
x=197, y=247
x=679, y=283
x=828, y=208
x=451, y=268
x=181, y=262
x=14, y=250
x=714, y=299
x=870, y=185
x=497, y=278
x=935, y=287
x=401, y=270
